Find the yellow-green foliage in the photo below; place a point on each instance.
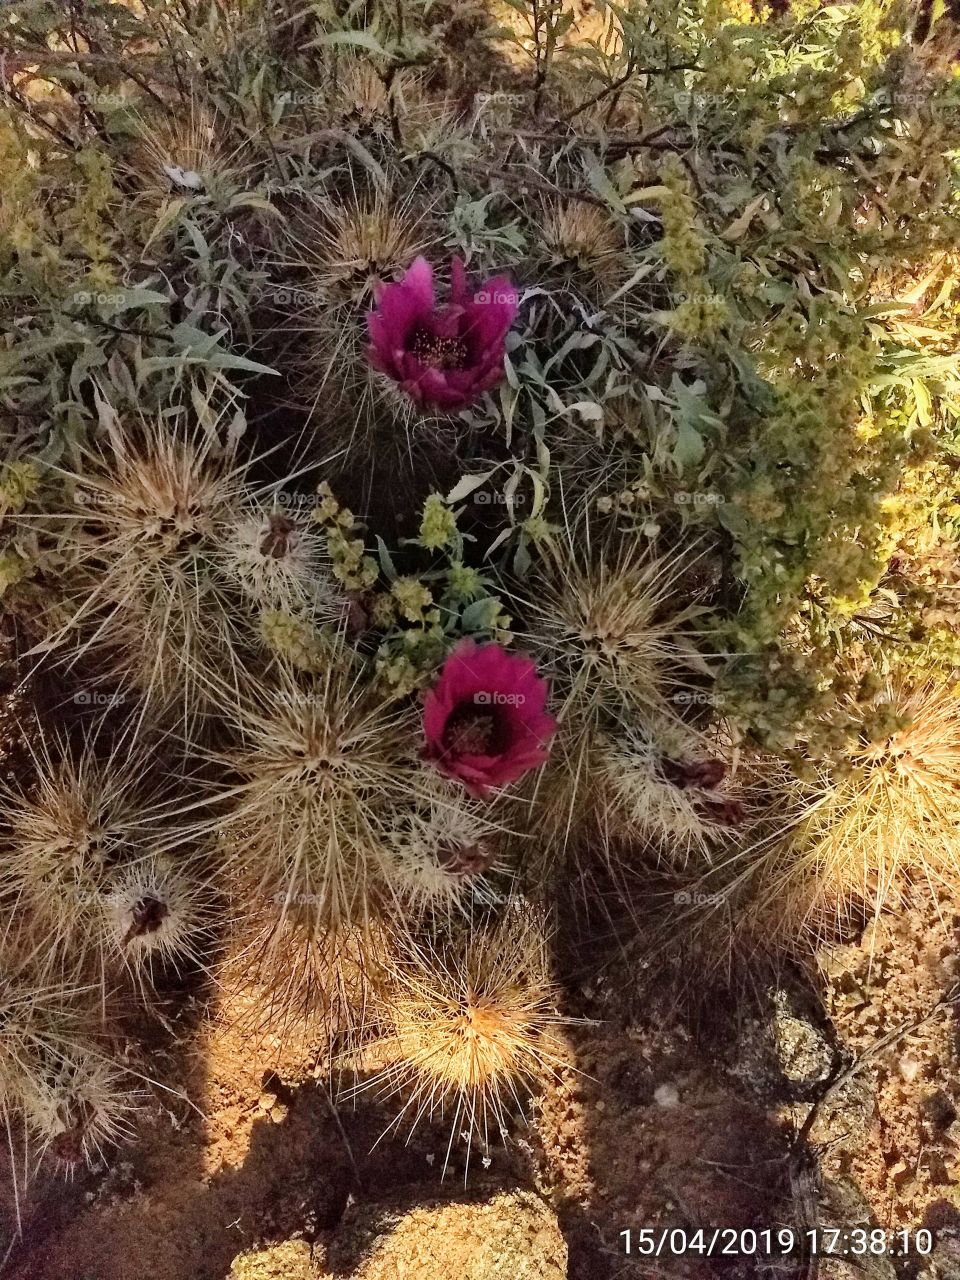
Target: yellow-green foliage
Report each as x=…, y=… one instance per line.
x=294, y=640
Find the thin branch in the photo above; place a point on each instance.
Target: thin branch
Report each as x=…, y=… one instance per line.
x=523, y=179
x=843, y=1077
x=116, y=328
x=18, y=100
x=442, y=164
x=44, y=57
x=622, y=80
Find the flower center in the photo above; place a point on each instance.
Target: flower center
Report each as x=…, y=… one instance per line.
x=465, y=860
x=147, y=915
x=471, y=731
x=702, y=774
x=276, y=539
x=438, y=353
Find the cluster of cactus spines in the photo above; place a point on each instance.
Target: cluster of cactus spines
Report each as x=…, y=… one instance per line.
x=350, y=248
x=323, y=764
x=343, y=252
x=61, y=1090
x=83, y=1105
x=670, y=788
x=448, y=855
x=147, y=506
x=77, y=861
x=374, y=106
x=176, y=558
x=189, y=152
x=584, y=244
x=290, y=981
x=881, y=821
x=609, y=627
x=469, y=1023
x=275, y=553
x=67, y=829
x=619, y=643
x=160, y=914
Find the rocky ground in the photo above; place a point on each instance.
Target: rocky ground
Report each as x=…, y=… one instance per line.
x=825, y=1102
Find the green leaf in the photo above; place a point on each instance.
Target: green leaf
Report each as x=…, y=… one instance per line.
x=596, y=175
x=522, y=559
x=479, y=616
x=130, y=298
x=386, y=561
x=689, y=448
x=354, y=39
x=250, y=200
x=587, y=410
x=466, y=485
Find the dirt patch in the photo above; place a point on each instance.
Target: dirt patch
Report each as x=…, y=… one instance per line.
x=655, y=1123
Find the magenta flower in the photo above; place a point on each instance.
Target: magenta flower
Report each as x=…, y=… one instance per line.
x=485, y=720
x=444, y=356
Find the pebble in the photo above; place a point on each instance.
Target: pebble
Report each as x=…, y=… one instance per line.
x=666, y=1095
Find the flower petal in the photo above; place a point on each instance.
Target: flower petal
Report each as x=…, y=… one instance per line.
x=418, y=283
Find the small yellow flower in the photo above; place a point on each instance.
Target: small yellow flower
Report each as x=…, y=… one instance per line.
x=18, y=483
x=463, y=582
x=294, y=640
x=412, y=597
x=438, y=526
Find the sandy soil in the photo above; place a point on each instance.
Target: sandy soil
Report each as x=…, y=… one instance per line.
x=655, y=1122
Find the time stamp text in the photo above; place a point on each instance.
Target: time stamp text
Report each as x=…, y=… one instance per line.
x=776, y=1242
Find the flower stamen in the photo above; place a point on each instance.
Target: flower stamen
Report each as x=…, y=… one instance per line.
x=471, y=731
x=438, y=353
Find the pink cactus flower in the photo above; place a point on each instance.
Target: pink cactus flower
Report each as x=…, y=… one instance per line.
x=442, y=356
x=485, y=720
